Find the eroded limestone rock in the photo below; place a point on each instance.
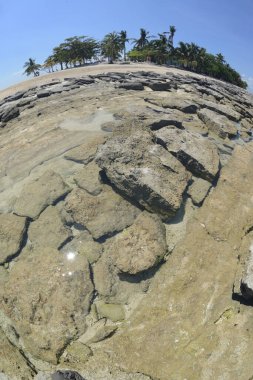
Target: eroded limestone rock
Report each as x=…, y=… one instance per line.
x=141, y=246
x=195, y=152
x=54, y=295
x=155, y=181
x=37, y=195
x=102, y=215
x=12, y=233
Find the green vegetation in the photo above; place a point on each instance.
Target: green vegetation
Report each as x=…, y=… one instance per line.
x=76, y=51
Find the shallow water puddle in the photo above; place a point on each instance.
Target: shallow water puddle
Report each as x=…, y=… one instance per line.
x=91, y=123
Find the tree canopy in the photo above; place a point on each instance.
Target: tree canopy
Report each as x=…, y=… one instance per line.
x=79, y=50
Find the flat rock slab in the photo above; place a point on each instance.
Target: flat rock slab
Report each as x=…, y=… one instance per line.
x=48, y=305
x=12, y=231
x=195, y=152
x=49, y=229
x=84, y=153
x=39, y=194
x=140, y=246
x=88, y=179
x=218, y=124
x=143, y=171
x=132, y=86
x=199, y=190
x=173, y=102
x=102, y=215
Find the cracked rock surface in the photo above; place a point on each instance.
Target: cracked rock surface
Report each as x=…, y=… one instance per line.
x=126, y=228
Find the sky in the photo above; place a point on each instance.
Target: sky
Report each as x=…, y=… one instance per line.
x=33, y=29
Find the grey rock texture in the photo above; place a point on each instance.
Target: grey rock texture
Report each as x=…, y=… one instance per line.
x=12, y=233
x=53, y=300
x=155, y=181
x=126, y=227
x=198, y=154
x=39, y=194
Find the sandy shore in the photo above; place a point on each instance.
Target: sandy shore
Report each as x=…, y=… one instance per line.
x=80, y=71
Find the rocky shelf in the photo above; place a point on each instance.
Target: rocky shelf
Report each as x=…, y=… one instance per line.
x=126, y=221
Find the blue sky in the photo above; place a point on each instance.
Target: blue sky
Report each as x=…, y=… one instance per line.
x=32, y=29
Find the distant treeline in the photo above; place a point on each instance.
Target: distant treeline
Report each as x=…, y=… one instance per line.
x=80, y=50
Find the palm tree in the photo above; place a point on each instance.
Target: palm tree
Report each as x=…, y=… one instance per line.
x=49, y=64
x=111, y=46
x=31, y=67
x=141, y=42
x=171, y=36
x=124, y=40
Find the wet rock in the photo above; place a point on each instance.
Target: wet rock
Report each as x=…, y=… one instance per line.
x=49, y=228
x=102, y=215
x=12, y=232
x=88, y=179
x=141, y=246
x=218, y=124
x=97, y=332
x=114, y=312
x=75, y=356
x=85, y=153
x=13, y=365
x=131, y=163
x=197, y=154
x=199, y=190
x=48, y=306
x=85, y=246
x=37, y=195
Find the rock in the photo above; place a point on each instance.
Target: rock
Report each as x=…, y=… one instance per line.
x=131, y=86
x=39, y=194
x=12, y=233
x=192, y=287
x=75, y=356
x=85, y=246
x=83, y=154
x=102, y=215
x=48, y=306
x=49, y=228
x=141, y=246
x=221, y=109
x=198, y=190
x=218, y=124
x=66, y=375
x=97, y=332
x=173, y=102
x=88, y=179
x=9, y=113
x=43, y=93
x=131, y=163
x=159, y=86
x=247, y=278
x=197, y=154
x=13, y=365
x=114, y=312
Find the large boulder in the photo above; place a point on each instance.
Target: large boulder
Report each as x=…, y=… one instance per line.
x=141, y=246
x=103, y=215
x=47, y=296
x=143, y=171
x=198, y=154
